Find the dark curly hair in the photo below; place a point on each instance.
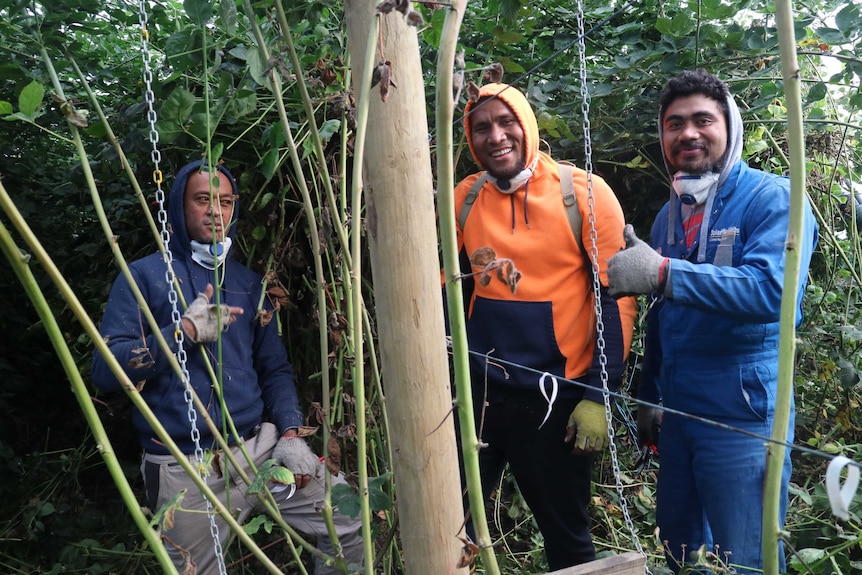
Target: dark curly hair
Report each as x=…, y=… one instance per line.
x=695, y=82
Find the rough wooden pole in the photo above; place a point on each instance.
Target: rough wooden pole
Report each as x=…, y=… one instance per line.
x=402, y=237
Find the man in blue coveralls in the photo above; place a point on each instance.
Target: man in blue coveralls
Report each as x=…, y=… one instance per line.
x=716, y=274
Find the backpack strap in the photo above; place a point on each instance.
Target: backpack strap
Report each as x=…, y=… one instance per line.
x=570, y=201
x=471, y=197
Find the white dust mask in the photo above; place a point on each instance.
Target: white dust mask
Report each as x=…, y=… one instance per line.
x=207, y=254
x=693, y=189
x=514, y=183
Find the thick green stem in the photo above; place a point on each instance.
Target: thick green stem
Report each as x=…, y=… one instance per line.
x=314, y=238
x=448, y=239
x=355, y=319
x=20, y=265
x=787, y=342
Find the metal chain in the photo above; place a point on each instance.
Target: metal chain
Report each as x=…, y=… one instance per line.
x=594, y=256
x=173, y=298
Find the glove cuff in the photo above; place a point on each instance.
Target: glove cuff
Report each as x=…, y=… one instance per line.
x=663, y=274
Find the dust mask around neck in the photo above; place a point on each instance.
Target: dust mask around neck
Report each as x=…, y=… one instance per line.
x=693, y=189
x=514, y=183
x=207, y=254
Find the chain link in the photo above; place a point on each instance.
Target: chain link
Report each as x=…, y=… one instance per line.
x=173, y=298
x=594, y=257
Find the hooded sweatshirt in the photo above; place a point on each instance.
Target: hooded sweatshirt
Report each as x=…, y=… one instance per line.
x=549, y=323
x=255, y=372
x=711, y=348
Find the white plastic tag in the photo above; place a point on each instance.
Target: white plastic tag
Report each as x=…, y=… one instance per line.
x=840, y=495
x=550, y=400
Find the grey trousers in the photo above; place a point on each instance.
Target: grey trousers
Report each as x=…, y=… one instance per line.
x=191, y=528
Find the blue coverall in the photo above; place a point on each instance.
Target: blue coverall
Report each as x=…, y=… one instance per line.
x=712, y=351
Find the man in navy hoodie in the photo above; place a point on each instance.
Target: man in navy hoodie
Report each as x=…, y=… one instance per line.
x=237, y=366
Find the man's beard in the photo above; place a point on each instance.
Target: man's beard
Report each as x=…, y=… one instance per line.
x=704, y=167
x=509, y=174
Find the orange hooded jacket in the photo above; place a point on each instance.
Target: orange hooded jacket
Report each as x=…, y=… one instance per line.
x=549, y=323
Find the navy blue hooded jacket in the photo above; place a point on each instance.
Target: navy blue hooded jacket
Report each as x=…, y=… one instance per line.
x=257, y=378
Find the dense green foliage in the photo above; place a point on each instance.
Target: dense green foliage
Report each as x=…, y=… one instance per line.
x=58, y=508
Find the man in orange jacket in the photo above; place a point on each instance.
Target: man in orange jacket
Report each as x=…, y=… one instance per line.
x=535, y=366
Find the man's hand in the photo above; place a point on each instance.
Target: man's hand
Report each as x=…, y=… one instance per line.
x=649, y=425
x=637, y=269
x=203, y=321
x=588, y=427
x=293, y=452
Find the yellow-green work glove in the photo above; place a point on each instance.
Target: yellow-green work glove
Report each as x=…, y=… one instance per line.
x=588, y=427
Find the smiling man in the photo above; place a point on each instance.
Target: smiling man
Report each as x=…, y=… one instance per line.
x=256, y=391
x=528, y=343
x=711, y=347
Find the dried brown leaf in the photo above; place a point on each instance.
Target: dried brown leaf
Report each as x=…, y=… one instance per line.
x=306, y=430
x=189, y=567
x=264, y=316
x=414, y=19
x=468, y=553
x=403, y=6
x=278, y=295
x=472, y=92
x=495, y=72
x=481, y=257
x=386, y=6
x=333, y=462
x=508, y=274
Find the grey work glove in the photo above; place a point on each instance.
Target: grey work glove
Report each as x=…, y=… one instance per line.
x=208, y=319
x=294, y=453
x=637, y=268
x=649, y=425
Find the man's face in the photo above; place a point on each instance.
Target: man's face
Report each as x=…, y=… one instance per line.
x=202, y=217
x=694, y=134
x=498, y=139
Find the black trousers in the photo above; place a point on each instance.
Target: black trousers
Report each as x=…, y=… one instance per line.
x=555, y=484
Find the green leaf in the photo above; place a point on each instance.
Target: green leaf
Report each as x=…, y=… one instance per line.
x=816, y=93
x=264, y=200
x=808, y=555
x=199, y=11
x=201, y=125
x=258, y=521
x=346, y=500
x=216, y=152
x=178, y=107
x=268, y=163
x=329, y=128
x=30, y=99
x=227, y=13
x=378, y=499
x=5, y=107
x=830, y=35
x=258, y=233
x=243, y=103
x=18, y=116
x=847, y=18
x=257, y=67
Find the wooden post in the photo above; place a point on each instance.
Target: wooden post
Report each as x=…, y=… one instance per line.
x=402, y=235
x=626, y=564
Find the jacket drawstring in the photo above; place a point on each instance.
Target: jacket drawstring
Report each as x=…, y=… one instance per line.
x=526, y=191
